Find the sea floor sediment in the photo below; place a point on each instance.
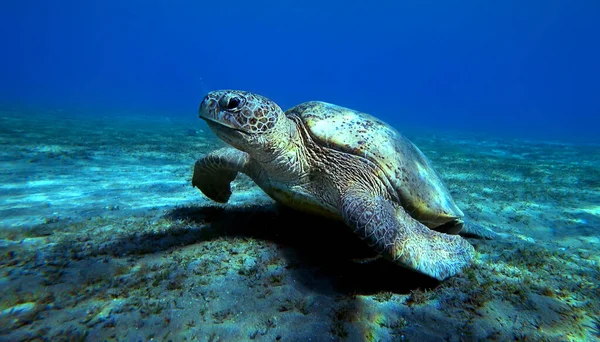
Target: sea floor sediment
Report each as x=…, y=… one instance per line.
x=103, y=237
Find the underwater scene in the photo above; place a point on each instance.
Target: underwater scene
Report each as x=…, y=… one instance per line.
x=299, y=171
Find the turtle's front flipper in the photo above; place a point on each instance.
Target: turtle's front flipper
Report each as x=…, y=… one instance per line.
x=214, y=172
x=394, y=233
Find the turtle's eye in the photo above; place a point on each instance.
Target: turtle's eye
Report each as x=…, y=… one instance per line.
x=230, y=103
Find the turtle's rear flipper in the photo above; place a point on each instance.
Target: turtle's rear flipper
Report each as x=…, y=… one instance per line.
x=452, y=227
x=214, y=172
x=471, y=228
x=398, y=236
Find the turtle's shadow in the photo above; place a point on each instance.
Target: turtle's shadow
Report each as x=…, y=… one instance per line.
x=320, y=253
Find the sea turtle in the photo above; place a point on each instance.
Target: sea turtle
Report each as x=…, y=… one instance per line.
x=342, y=163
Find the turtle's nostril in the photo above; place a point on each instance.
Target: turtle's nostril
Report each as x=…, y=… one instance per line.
x=207, y=104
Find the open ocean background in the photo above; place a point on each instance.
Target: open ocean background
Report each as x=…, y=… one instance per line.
x=525, y=68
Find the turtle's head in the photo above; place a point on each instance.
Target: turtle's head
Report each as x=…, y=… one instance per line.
x=247, y=121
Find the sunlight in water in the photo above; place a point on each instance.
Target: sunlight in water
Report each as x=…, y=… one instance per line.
x=592, y=210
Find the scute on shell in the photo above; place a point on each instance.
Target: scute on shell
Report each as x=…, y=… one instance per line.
x=420, y=189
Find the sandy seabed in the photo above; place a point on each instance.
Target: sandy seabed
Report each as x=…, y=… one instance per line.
x=102, y=237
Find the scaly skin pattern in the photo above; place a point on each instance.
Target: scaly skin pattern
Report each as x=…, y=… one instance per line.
x=303, y=166
x=249, y=112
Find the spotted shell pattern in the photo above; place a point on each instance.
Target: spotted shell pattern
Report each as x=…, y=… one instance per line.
x=420, y=189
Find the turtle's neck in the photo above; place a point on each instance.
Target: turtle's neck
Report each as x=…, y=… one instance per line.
x=285, y=160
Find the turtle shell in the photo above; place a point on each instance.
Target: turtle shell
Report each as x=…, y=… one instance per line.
x=420, y=189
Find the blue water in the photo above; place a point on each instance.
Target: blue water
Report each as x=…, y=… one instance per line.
x=507, y=67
